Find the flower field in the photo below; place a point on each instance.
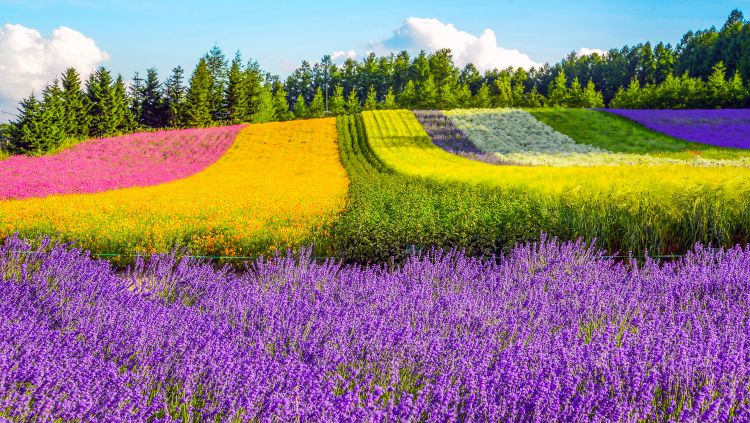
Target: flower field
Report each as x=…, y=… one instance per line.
x=142, y=159
x=550, y=332
x=515, y=136
x=661, y=209
x=724, y=128
x=279, y=185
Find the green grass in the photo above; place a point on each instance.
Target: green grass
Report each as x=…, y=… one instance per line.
x=406, y=191
x=620, y=135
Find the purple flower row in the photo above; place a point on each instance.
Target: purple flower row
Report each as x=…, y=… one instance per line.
x=444, y=133
x=551, y=332
x=723, y=128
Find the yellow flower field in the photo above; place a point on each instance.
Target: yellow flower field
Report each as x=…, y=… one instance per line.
x=279, y=186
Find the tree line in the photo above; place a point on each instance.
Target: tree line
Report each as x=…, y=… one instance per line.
x=704, y=70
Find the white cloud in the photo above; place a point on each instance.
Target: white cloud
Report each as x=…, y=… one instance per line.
x=431, y=34
x=339, y=57
x=29, y=61
x=589, y=51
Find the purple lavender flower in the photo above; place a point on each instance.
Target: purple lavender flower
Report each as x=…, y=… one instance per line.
x=550, y=332
x=723, y=128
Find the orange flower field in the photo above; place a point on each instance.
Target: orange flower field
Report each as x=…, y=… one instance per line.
x=280, y=185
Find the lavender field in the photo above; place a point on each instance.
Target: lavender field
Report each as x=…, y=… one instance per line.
x=552, y=331
x=723, y=128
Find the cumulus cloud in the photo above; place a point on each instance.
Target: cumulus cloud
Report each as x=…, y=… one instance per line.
x=340, y=57
x=431, y=34
x=29, y=61
x=590, y=51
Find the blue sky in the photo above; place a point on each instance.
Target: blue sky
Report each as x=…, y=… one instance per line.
x=279, y=34
x=139, y=34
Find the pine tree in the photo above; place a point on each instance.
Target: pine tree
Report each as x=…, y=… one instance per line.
x=504, y=95
x=463, y=96
x=154, y=112
x=558, y=91
x=482, y=98
x=198, y=103
x=53, y=117
x=518, y=81
x=428, y=95
x=737, y=94
x=317, y=105
x=265, y=110
x=136, y=96
x=26, y=135
x=535, y=99
x=389, y=102
x=409, y=98
x=236, y=102
x=717, y=88
x=254, y=81
x=371, y=102
x=300, y=108
x=591, y=97
x=217, y=67
x=280, y=103
x=337, y=102
x=123, y=116
x=100, y=93
x=75, y=104
x=174, y=93
x=352, y=102
x=574, y=97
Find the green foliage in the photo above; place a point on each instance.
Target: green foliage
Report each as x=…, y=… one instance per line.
x=389, y=102
x=174, y=97
x=558, y=91
x=352, y=102
x=300, y=108
x=101, y=95
x=199, y=102
x=317, y=105
x=281, y=106
x=265, y=110
x=236, y=94
x=371, y=102
x=409, y=99
x=153, y=106
x=338, y=104
x=75, y=103
x=482, y=100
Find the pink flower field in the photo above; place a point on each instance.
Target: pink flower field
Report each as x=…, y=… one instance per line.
x=142, y=159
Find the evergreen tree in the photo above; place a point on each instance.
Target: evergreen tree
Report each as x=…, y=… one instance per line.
x=136, y=96
x=27, y=133
x=217, y=67
x=574, y=97
x=717, y=88
x=463, y=96
x=371, y=102
x=591, y=97
x=254, y=81
x=154, y=111
x=75, y=104
x=428, y=94
x=482, y=98
x=558, y=92
x=123, y=117
x=198, y=102
x=300, y=108
x=337, y=102
x=352, y=102
x=504, y=96
x=535, y=99
x=265, y=110
x=737, y=94
x=409, y=99
x=174, y=93
x=518, y=81
x=280, y=103
x=236, y=97
x=389, y=103
x=100, y=93
x=53, y=117
x=317, y=105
